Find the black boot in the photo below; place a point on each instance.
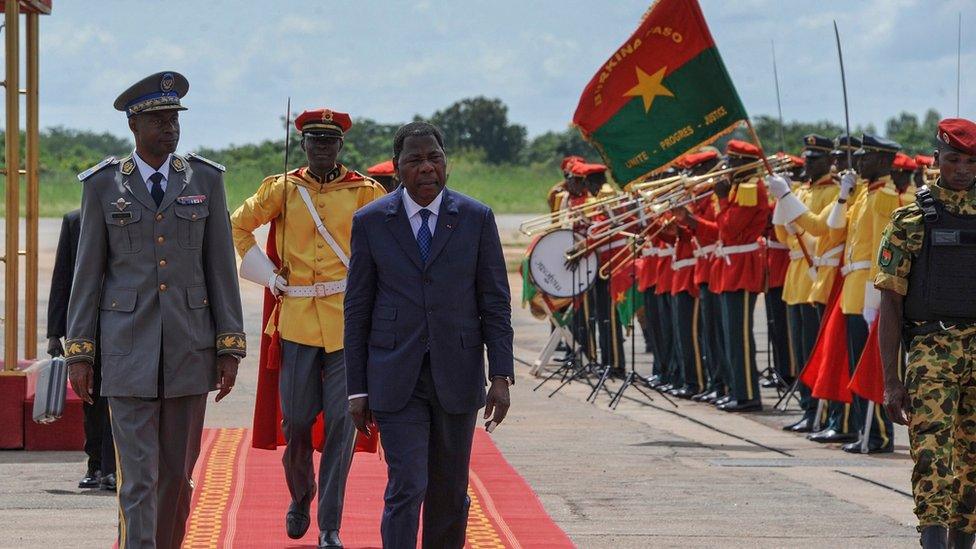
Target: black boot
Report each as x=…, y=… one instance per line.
x=960, y=540
x=934, y=537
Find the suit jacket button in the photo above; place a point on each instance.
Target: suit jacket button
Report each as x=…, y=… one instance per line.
x=162, y=287
x=160, y=239
x=423, y=338
x=427, y=281
x=114, y=304
x=159, y=217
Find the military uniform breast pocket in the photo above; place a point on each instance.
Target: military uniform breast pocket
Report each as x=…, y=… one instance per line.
x=123, y=230
x=116, y=320
x=192, y=220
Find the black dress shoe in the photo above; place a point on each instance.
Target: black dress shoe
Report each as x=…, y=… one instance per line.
x=832, y=435
x=654, y=381
x=855, y=448
x=330, y=540
x=685, y=392
x=107, y=482
x=701, y=396
x=713, y=396
x=723, y=400
x=90, y=480
x=297, y=519
x=753, y=405
x=805, y=425
x=768, y=383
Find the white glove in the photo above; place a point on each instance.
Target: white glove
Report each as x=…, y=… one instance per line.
x=869, y=315
x=277, y=284
x=847, y=182
x=779, y=185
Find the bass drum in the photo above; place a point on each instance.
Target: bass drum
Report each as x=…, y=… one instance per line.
x=547, y=265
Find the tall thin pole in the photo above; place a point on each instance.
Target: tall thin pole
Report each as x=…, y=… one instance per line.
x=12, y=161
x=33, y=190
x=843, y=84
x=958, y=63
x=779, y=106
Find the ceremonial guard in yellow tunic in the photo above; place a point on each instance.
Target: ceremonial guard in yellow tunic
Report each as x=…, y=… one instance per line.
x=312, y=210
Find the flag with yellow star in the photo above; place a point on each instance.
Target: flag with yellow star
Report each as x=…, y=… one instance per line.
x=663, y=93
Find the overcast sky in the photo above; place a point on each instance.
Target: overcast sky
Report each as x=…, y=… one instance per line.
x=390, y=60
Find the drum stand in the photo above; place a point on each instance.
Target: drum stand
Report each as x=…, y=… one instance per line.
x=573, y=367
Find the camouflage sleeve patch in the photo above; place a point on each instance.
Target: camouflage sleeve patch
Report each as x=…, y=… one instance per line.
x=901, y=241
x=79, y=350
x=231, y=344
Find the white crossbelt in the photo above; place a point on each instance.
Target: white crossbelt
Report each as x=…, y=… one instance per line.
x=776, y=245
x=321, y=227
x=704, y=250
x=856, y=266
x=319, y=289
x=796, y=254
x=658, y=252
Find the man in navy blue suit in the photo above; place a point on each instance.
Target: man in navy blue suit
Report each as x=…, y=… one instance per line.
x=427, y=293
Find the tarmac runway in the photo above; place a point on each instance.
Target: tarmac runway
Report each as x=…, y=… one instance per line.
x=648, y=474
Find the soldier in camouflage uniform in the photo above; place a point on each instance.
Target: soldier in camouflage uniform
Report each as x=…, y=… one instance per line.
x=926, y=260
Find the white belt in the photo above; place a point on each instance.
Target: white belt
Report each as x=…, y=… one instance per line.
x=830, y=258
x=704, y=250
x=319, y=289
x=796, y=254
x=611, y=246
x=682, y=263
x=776, y=245
x=856, y=266
x=725, y=251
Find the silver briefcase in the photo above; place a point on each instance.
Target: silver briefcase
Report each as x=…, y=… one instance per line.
x=52, y=384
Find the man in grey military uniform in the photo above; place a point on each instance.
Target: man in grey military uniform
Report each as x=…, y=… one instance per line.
x=156, y=271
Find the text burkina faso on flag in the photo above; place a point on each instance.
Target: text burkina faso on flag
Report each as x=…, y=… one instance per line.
x=661, y=94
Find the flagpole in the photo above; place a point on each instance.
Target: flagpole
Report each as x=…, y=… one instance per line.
x=958, y=63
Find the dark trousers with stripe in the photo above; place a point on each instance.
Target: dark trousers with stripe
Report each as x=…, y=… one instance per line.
x=609, y=330
x=779, y=334
x=804, y=323
x=660, y=339
x=740, y=344
x=710, y=337
x=684, y=321
x=881, y=427
x=582, y=325
x=669, y=370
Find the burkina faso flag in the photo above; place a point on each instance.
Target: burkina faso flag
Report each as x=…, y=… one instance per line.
x=664, y=92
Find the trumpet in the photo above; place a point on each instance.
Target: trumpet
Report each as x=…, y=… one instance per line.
x=557, y=218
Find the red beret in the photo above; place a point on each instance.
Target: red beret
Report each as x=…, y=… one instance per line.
x=691, y=160
x=742, y=148
x=923, y=160
x=904, y=162
x=323, y=122
x=582, y=169
x=383, y=168
x=568, y=161
x=958, y=133
x=797, y=160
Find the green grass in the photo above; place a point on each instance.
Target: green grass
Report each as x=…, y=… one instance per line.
x=506, y=188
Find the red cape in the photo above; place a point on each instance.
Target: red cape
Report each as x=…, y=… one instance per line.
x=827, y=372
x=868, y=380
x=267, y=410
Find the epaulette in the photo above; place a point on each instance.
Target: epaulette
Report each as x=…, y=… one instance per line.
x=211, y=163
x=108, y=161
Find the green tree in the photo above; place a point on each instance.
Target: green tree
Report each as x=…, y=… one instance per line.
x=481, y=123
x=551, y=147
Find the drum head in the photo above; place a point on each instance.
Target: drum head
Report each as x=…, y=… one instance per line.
x=547, y=265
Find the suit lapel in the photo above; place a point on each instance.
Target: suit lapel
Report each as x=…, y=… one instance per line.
x=447, y=218
x=176, y=181
x=399, y=225
x=137, y=188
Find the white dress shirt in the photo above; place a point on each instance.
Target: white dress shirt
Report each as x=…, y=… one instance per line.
x=413, y=214
x=145, y=170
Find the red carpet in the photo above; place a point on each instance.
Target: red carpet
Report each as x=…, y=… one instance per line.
x=504, y=510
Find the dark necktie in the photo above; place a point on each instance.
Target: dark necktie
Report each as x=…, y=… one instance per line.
x=157, y=188
x=423, y=234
